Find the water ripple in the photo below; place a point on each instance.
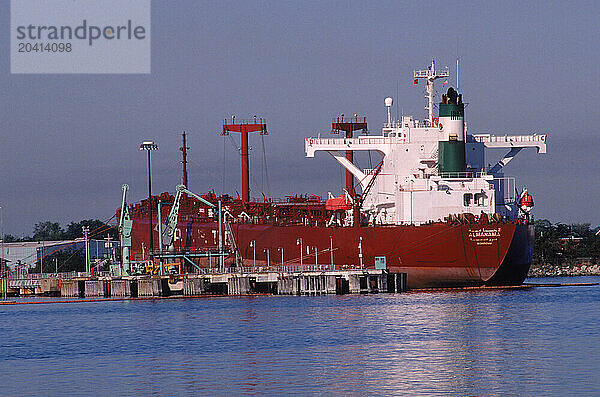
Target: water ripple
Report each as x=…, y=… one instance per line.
x=541, y=341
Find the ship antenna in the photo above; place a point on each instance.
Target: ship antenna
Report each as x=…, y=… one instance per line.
x=398, y=96
x=457, y=89
x=430, y=74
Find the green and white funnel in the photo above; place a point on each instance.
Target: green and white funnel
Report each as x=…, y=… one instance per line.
x=451, y=146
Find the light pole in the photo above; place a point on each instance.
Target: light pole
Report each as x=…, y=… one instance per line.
x=149, y=146
x=160, y=236
x=331, y=250
x=253, y=245
x=360, y=255
x=281, y=249
x=86, y=230
x=299, y=242
x=268, y=259
x=316, y=256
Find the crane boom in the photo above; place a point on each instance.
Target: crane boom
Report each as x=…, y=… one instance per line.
x=167, y=238
x=184, y=190
x=125, y=225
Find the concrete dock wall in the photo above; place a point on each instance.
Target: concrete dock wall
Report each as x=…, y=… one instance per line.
x=284, y=283
x=120, y=288
x=69, y=288
x=193, y=286
x=238, y=285
x=95, y=288
x=149, y=287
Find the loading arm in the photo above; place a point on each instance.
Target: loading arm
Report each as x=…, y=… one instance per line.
x=125, y=225
x=167, y=238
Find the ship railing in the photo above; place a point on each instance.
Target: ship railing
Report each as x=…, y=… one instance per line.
x=313, y=199
x=509, y=138
x=39, y=276
x=424, y=73
x=361, y=140
x=305, y=268
x=291, y=268
x=462, y=175
x=414, y=124
x=506, y=190
x=393, y=124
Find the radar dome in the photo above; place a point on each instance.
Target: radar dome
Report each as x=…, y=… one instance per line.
x=388, y=102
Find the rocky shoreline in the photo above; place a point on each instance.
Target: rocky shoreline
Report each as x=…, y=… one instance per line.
x=563, y=270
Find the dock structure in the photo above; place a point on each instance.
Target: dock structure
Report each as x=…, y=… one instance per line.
x=309, y=281
x=120, y=288
x=69, y=288
x=150, y=287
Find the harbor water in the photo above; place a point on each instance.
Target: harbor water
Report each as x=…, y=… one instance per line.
x=538, y=341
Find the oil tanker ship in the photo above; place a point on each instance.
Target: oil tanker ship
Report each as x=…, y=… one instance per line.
x=431, y=208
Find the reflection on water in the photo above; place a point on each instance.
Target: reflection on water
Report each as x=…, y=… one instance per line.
x=541, y=341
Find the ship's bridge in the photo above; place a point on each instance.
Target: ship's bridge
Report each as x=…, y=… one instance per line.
x=409, y=172
x=430, y=168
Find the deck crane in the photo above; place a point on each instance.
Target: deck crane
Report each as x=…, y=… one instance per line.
x=167, y=237
x=125, y=225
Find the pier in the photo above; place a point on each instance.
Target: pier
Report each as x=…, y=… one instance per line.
x=307, y=280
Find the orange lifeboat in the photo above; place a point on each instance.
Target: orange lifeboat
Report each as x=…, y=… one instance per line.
x=338, y=203
x=526, y=201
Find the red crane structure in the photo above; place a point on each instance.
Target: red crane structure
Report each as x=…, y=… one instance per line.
x=348, y=126
x=244, y=127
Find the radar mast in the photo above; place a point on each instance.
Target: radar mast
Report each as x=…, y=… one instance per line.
x=430, y=74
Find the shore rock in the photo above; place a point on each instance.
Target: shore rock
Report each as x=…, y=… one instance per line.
x=563, y=270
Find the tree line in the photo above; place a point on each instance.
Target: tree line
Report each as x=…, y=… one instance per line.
x=559, y=243
x=70, y=258
x=52, y=231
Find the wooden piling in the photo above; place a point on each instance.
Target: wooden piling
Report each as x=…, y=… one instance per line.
x=149, y=287
x=193, y=286
x=238, y=285
x=120, y=288
x=95, y=288
x=69, y=288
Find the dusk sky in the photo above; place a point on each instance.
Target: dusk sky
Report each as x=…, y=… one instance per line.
x=70, y=141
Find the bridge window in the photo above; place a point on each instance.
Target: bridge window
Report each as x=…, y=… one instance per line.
x=467, y=199
x=480, y=199
x=455, y=115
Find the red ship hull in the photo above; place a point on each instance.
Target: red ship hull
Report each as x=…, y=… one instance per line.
x=432, y=255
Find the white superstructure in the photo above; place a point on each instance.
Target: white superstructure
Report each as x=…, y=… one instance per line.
x=412, y=185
